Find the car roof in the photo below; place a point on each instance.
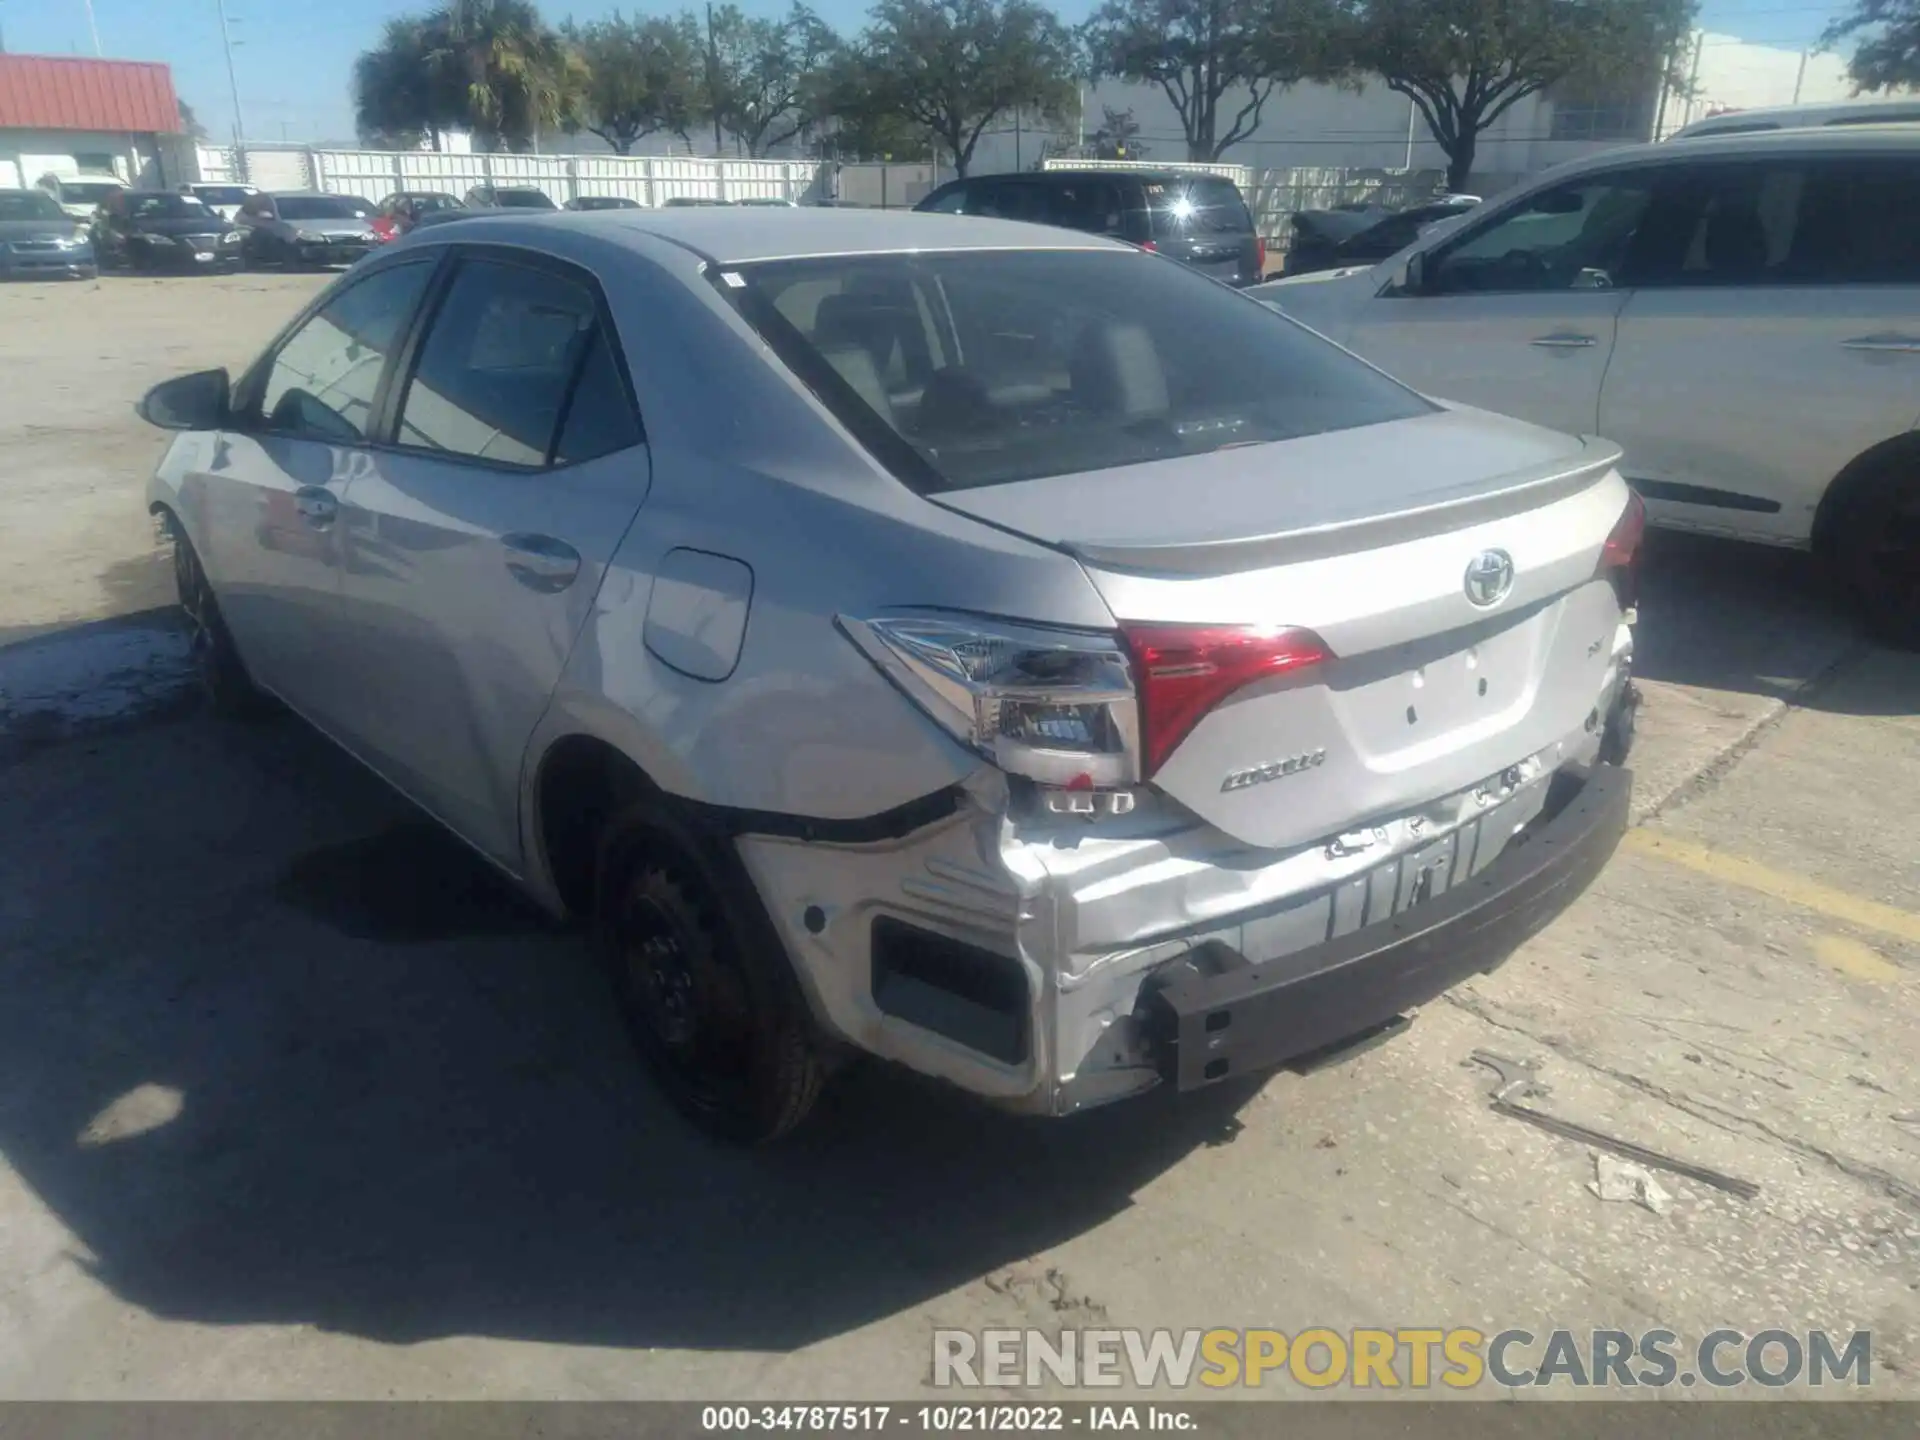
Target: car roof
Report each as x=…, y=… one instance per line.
x=1796, y=117
x=1102, y=172
x=312, y=195
x=1812, y=140
x=738, y=235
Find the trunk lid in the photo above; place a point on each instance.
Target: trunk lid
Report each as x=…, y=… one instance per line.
x=1365, y=538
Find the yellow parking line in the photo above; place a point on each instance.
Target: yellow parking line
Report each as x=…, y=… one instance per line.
x=1794, y=889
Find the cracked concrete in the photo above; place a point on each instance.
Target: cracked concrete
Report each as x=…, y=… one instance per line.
x=294, y=1102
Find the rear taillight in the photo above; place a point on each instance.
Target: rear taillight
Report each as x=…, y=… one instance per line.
x=1620, y=556
x=1150, y=246
x=1260, y=256
x=1056, y=706
x=1072, y=709
x=1183, y=671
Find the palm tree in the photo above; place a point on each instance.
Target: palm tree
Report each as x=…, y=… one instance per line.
x=514, y=75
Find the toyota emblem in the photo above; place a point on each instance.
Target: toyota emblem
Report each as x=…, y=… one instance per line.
x=1489, y=577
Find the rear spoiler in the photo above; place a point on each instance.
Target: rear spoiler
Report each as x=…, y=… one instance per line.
x=1479, y=501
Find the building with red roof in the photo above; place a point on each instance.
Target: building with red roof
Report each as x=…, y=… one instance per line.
x=74, y=119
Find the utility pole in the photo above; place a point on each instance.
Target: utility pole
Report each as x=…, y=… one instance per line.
x=1413, y=112
x=1801, y=78
x=713, y=79
x=233, y=83
x=93, y=30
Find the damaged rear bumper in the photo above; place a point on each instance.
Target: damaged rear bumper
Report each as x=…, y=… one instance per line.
x=1219, y=1013
x=1049, y=967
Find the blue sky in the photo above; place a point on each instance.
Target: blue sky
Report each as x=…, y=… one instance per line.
x=294, y=75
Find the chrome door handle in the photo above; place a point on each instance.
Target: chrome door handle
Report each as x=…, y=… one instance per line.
x=541, y=562
x=1884, y=344
x=316, y=506
x=1565, y=342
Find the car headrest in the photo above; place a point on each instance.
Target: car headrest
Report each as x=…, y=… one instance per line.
x=1116, y=372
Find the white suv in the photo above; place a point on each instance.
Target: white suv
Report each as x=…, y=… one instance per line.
x=1741, y=315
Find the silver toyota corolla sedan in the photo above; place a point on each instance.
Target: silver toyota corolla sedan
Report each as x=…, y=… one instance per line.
x=989, y=647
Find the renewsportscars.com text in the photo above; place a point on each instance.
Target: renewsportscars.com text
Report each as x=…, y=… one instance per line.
x=1411, y=1358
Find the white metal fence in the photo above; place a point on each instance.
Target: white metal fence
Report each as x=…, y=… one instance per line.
x=375, y=174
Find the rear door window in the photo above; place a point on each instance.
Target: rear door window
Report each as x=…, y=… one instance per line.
x=500, y=357
x=1091, y=205
x=1204, y=205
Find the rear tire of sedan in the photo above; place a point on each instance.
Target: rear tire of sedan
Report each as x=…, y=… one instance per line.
x=705, y=992
x=216, y=662
x=1877, y=552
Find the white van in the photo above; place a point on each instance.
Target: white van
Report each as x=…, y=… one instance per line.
x=1799, y=117
x=1741, y=314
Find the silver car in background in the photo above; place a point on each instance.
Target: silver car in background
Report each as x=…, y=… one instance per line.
x=985, y=646
x=305, y=228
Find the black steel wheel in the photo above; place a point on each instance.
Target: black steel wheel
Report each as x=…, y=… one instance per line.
x=216, y=662
x=709, y=1002
x=1878, y=554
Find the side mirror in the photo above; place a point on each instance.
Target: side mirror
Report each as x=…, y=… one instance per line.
x=1413, y=274
x=188, y=402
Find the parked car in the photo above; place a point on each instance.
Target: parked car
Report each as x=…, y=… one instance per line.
x=1157, y=694
x=1798, y=117
x=601, y=202
x=80, y=195
x=224, y=200
x=1741, y=313
x=1335, y=239
x=691, y=202
x=509, y=197
x=38, y=239
x=160, y=230
x=402, y=210
x=767, y=202
x=1201, y=220
x=299, y=227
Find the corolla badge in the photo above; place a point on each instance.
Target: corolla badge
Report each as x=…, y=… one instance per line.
x=1273, y=770
x=1489, y=577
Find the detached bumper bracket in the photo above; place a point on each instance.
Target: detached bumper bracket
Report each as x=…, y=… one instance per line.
x=1239, y=1019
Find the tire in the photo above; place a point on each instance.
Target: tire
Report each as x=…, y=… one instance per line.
x=1877, y=553
x=705, y=992
x=217, y=666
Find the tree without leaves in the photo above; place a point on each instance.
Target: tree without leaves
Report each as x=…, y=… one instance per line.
x=1117, y=137
x=1889, y=58
x=1202, y=53
x=953, y=67
x=641, y=77
x=190, y=125
x=762, y=75
x=1465, y=63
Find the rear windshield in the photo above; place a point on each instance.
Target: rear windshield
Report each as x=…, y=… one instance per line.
x=79, y=192
x=223, y=194
x=522, y=200
x=167, y=207
x=322, y=207
x=29, y=205
x=983, y=367
x=1205, y=205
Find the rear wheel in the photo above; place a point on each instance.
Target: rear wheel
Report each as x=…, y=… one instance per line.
x=216, y=662
x=1877, y=552
x=707, y=998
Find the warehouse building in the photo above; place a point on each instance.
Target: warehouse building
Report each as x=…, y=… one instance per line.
x=77, y=119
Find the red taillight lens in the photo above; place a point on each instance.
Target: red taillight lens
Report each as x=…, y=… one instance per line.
x=1260, y=256
x=1183, y=671
x=1149, y=246
x=383, y=228
x=1619, y=557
